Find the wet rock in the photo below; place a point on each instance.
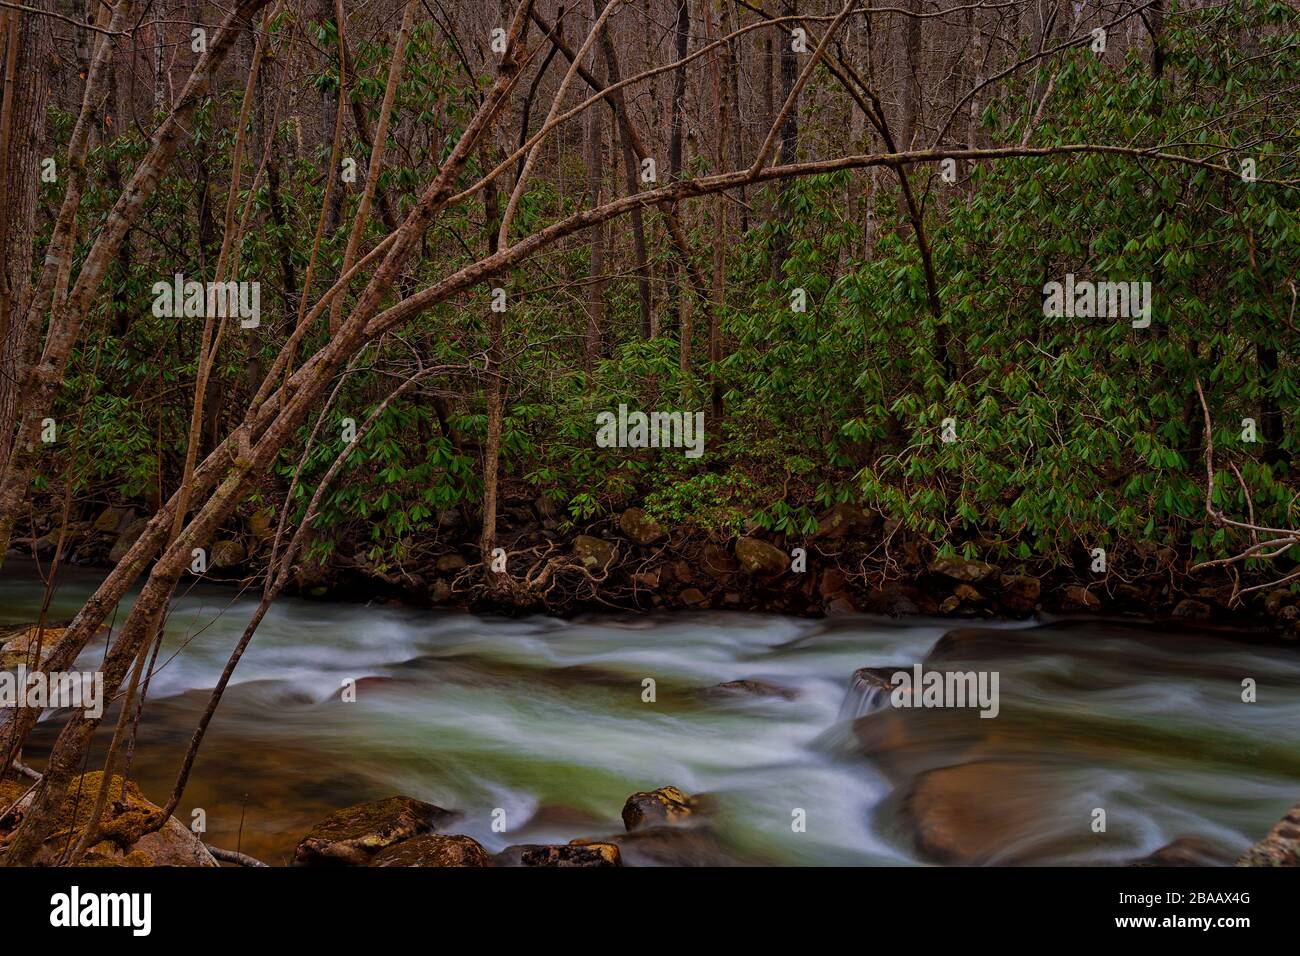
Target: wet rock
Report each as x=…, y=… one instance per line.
x=227, y=554
x=640, y=527
x=963, y=569
x=592, y=552
x=1192, y=610
x=985, y=812
x=1189, y=851
x=950, y=604
x=751, y=688
x=353, y=835
x=968, y=594
x=440, y=592
x=433, y=849
x=1281, y=847
x=112, y=520
x=1020, y=593
x=448, y=563
x=1079, y=598
x=648, y=808
x=759, y=557
x=577, y=853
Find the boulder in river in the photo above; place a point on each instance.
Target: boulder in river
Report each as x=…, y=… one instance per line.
x=647, y=808
x=1281, y=847
x=433, y=849
x=577, y=853
x=353, y=835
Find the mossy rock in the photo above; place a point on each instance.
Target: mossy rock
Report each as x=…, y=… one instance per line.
x=353, y=835
x=759, y=557
x=433, y=849
x=592, y=552
x=122, y=828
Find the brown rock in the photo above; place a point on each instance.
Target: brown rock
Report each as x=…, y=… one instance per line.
x=1020, y=593
x=1189, y=851
x=646, y=808
x=646, y=580
x=832, y=582
x=843, y=519
x=693, y=597
x=577, y=853
x=968, y=594
x=353, y=835
x=112, y=520
x=1079, y=598
x=1281, y=847
x=433, y=849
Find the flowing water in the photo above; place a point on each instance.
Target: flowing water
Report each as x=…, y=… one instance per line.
x=545, y=720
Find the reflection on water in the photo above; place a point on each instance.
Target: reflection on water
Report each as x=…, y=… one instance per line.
x=545, y=719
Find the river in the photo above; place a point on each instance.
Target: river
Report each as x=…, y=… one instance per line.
x=545, y=720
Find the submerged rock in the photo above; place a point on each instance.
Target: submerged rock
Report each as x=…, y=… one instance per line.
x=647, y=808
x=353, y=835
x=1281, y=847
x=751, y=688
x=577, y=853
x=433, y=849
